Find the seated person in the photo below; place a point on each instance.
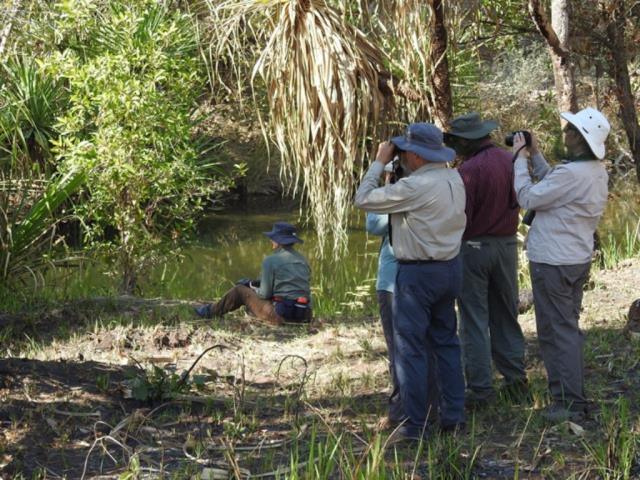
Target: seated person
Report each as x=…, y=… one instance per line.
x=284, y=293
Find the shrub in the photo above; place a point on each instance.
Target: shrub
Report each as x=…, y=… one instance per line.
x=133, y=73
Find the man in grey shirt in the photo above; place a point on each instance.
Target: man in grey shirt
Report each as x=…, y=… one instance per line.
x=427, y=221
x=569, y=201
x=284, y=292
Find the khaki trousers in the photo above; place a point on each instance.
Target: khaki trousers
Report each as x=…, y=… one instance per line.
x=241, y=296
x=557, y=297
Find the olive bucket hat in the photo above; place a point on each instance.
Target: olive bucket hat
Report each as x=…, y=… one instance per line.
x=471, y=127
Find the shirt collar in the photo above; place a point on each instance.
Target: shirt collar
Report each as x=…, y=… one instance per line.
x=429, y=166
x=580, y=158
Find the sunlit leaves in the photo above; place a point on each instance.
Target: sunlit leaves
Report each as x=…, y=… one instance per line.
x=134, y=81
x=321, y=80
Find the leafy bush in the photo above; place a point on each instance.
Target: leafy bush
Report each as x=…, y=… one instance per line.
x=133, y=73
x=30, y=101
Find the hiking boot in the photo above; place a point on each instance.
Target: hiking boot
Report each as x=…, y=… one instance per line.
x=204, y=311
x=404, y=434
x=478, y=398
x=558, y=413
x=454, y=429
x=517, y=392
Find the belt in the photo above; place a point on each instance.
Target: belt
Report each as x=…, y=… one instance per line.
x=415, y=262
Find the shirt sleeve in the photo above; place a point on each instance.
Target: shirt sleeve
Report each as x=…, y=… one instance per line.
x=540, y=166
x=468, y=178
x=377, y=224
x=267, y=277
x=394, y=198
x=552, y=191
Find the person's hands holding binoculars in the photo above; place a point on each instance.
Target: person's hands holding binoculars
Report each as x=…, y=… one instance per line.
x=386, y=151
x=520, y=144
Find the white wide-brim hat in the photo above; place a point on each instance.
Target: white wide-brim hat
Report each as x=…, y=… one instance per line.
x=593, y=126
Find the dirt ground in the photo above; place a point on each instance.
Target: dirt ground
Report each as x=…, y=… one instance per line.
x=69, y=373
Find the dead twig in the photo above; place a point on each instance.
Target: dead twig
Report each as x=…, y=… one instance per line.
x=185, y=375
x=101, y=440
x=303, y=380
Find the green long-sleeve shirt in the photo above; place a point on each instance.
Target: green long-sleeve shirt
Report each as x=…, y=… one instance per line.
x=285, y=273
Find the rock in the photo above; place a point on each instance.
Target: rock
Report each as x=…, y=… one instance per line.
x=633, y=318
x=525, y=301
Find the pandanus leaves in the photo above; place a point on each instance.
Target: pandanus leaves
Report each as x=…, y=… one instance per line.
x=321, y=80
x=29, y=214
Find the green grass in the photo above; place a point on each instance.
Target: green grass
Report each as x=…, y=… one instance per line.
x=618, y=247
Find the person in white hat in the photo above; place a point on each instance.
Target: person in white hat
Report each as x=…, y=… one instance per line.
x=569, y=200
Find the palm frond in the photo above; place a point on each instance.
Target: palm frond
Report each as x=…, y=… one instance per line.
x=31, y=101
x=28, y=216
x=321, y=81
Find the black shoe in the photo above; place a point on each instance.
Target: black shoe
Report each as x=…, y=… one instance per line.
x=454, y=429
x=474, y=399
x=558, y=413
x=204, y=311
x=406, y=435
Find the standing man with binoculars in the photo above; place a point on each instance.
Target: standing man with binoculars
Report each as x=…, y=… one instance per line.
x=427, y=221
x=488, y=303
x=569, y=201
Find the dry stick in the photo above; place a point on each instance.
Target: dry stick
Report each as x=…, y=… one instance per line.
x=524, y=430
x=231, y=458
x=112, y=432
x=101, y=440
x=261, y=445
x=96, y=436
x=535, y=460
x=77, y=414
x=185, y=375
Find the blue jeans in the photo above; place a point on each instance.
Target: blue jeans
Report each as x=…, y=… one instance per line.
x=424, y=320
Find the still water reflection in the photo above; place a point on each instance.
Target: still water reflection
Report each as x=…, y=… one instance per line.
x=231, y=245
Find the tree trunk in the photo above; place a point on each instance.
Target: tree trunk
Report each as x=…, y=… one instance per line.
x=442, y=102
x=556, y=35
x=620, y=72
x=10, y=16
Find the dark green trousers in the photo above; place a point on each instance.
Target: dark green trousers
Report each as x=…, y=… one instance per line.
x=489, y=327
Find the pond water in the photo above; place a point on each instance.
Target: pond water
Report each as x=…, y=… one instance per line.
x=230, y=245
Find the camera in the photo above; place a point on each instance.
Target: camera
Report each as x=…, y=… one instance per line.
x=394, y=167
x=527, y=218
x=508, y=140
